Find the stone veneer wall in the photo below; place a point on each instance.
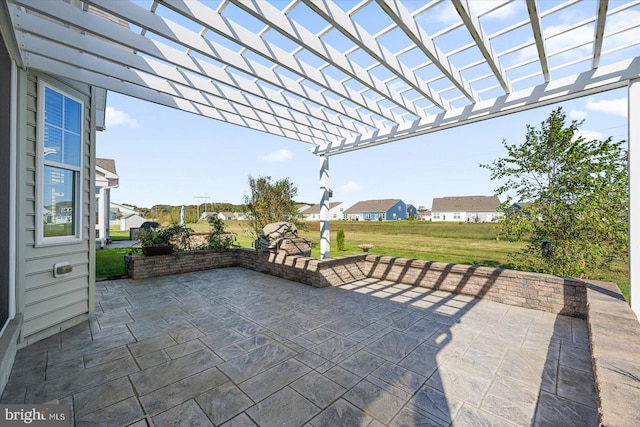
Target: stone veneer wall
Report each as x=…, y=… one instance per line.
x=143, y=267
x=614, y=335
x=305, y=270
x=531, y=290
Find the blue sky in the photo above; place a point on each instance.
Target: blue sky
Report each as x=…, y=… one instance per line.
x=165, y=156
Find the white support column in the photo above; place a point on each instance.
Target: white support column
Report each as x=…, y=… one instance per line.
x=634, y=195
x=325, y=251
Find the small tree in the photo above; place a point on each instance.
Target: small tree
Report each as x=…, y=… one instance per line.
x=578, y=194
x=269, y=202
x=218, y=239
x=340, y=239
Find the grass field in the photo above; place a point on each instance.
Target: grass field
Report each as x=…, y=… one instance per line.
x=458, y=243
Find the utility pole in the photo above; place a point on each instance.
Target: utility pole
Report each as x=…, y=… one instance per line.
x=198, y=198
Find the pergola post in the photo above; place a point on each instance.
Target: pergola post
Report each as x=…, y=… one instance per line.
x=634, y=195
x=325, y=251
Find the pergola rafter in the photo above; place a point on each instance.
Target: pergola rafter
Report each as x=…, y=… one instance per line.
x=472, y=23
x=404, y=20
x=207, y=59
x=536, y=25
x=341, y=21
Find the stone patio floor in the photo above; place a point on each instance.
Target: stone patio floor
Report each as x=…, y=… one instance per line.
x=235, y=347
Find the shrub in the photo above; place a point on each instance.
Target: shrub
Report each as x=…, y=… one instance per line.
x=218, y=239
x=340, y=239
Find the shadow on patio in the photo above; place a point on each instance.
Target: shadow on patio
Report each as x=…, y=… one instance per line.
x=234, y=344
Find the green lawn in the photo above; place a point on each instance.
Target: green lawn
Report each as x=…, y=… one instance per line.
x=459, y=243
x=110, y=262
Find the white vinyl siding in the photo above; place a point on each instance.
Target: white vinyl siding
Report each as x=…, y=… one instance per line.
x=48, y=303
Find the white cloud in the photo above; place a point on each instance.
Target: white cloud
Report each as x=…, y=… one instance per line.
x=617, y=107
x=588, y=135
x=446, y=13
x=349, y=187
x=115, y=117
x=279, y=156
x=577, y=115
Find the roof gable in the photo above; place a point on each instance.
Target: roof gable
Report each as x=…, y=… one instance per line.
x=465, y=204
x=382, y=205
x=315, y=209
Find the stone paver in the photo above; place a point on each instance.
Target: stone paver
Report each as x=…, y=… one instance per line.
x=235, y=347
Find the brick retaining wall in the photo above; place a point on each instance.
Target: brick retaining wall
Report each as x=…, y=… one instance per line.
x=614, y=335
x=305, y=270
x=531, y=290
x=143, y=267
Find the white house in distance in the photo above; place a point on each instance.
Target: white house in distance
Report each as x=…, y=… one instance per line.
x=336, y=211
x=465, y=208
x=106, y=179
x=377, y=210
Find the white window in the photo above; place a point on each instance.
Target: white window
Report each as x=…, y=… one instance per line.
x=456, y=215
x=60, y=124
x=436, y=216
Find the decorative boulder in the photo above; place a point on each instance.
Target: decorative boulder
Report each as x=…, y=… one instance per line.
x=282, y=237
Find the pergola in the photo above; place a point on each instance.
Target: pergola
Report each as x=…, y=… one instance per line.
x=342, y=75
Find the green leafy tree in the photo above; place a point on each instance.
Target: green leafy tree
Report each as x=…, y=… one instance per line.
x=578, y=194
x=270, y=201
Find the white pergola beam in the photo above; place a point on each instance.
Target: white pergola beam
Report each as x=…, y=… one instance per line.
x=73, y=72
x=405, y=21
x=341, y=21
x=163, y=78
x=536, y=26
x=269, y=14
x=214, y=22
x=634, y=194
x=325, y=193
x=604, y=78
x=98, y=26
x=34, y=25
x=477, y=34
x=598, y=36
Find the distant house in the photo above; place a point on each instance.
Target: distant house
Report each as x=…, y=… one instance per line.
x=303, y=206
x=133, y=220
x=336, y=211
x=117, y=211
x=377, y=210
x=424, y=214
x=227, y=216
x=465, y=209
x=522, y=207
x=412, y=211
x=205, y=215
x=106, y=179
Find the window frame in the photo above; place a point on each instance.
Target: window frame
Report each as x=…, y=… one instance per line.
x=78, y=171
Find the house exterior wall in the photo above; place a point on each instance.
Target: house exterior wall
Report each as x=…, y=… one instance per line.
x=398, y=211
x=484, y=216
x=133, y=221
x=335, y=213
x=5, y=182
x=51, y=304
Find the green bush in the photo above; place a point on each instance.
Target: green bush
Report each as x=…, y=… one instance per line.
x=340, y=239
x=218, y=239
